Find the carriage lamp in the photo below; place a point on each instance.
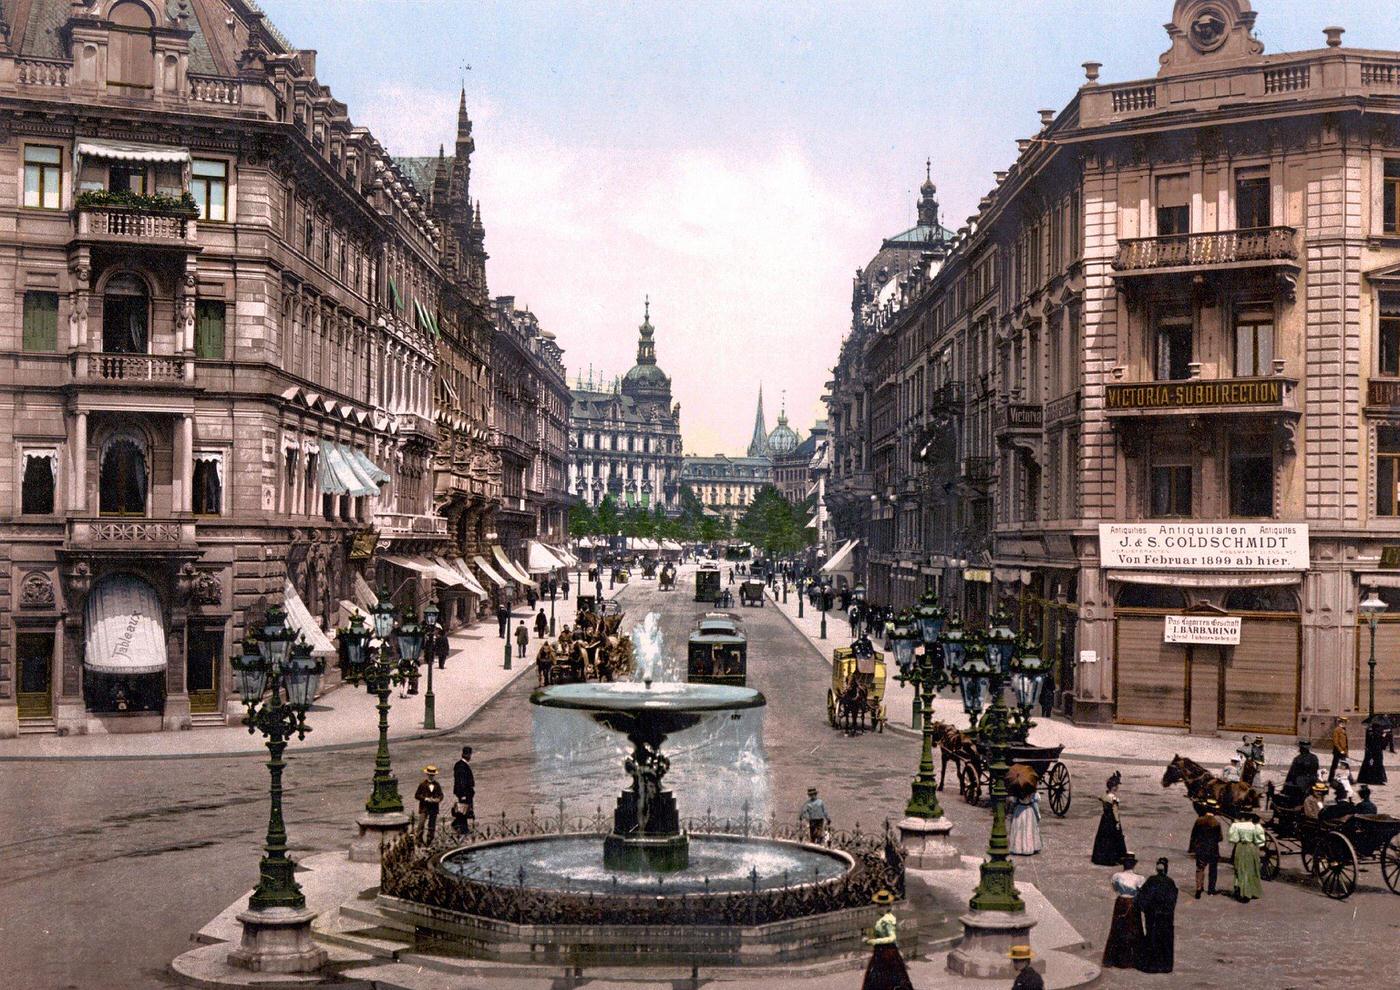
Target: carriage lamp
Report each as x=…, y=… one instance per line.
x=1027, y=680
x=1001, y=642
x=352, y=641
x=431, y=632
x=1373, y=607
x=953, y=644
x=858, y=592
x=383, y=615
x=382, y=663
x=905, y=639
x=277, y=681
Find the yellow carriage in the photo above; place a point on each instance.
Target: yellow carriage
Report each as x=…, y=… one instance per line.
x=857, y=689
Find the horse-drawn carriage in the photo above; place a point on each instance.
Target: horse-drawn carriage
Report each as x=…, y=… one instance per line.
x=666, y=579
x=718, y=651
x=595, y=649
x=857, y=687
x=707, y=583
x=751, y=593
x=649, y=569
x=974, y=763
x=1332, y=851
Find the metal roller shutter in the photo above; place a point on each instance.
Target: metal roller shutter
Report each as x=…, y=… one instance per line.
x=1261, y=677
x=1149, y=676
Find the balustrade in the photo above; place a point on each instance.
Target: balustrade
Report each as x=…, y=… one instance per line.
x=42, y=72
x=215, y=89
x=125, y=224
x=1223, y=247
x=136, y=368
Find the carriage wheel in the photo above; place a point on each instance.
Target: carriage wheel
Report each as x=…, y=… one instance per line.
x=1307, y=854
x=831, y=707
x=1335, y=866
x=970, y=783
x=1269, y=863
x=1057, y=786
x=1390, y=863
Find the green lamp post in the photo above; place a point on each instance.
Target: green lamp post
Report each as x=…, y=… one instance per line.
x=996, y=891
x=277, y=681
x=923, y=797
x=374, y=663
x=905, y=640
x=431, y=614
x=1027, y=680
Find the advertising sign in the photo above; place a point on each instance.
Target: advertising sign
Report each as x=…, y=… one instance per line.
x=1205, y=546
x=1203, y=630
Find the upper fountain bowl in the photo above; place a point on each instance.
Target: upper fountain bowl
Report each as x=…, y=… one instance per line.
x=633, y=696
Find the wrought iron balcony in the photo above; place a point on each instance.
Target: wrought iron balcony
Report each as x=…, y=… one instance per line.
x=946, y=399
x=978, y=470
x=1248, y=248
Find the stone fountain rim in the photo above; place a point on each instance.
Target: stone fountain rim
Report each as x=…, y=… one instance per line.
x=593, y=697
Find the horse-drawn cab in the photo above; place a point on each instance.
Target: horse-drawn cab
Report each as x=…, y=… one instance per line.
x=751, y=593
x=586, y=603
x=707, y=583
x=857, y=687
x=718, y=651
x=666, y=580
x=648, y=569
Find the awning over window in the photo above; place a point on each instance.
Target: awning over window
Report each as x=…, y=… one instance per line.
x=841, y=561
x=299, y=618
x=364, y=595
x=459, y=567
x=131, y=151
x=511, y=568
x=491, y=575
x=565, y=556
x=337, y=474
x=541, y=560
x=125, y=634
x=376, y=474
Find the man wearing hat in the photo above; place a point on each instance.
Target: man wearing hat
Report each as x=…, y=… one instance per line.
x=464, y=791
x=1302, y=774
x=1026, y=977
x=814, y=814
x=1205, y=845
x=1339, y=746
x=429, y=797
x=1312, y=804
x=1365, y=806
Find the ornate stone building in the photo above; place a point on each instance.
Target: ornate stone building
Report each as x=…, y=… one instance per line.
x=1158, y=389
x=222, y=311
x=626, y=442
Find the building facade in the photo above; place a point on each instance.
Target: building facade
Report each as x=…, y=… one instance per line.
x=728, y=485
x=1157, y=407
x=626, y=441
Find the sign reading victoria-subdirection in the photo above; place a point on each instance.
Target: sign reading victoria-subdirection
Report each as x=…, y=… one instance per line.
x=1208, y=630
x=1199, y=546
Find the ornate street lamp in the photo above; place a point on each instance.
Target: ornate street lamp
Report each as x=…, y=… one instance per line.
x=431, y=613
x=1027, y=680
x=1001, y=642
x=923, y=796
x=381, y=670
x=1373, y=608
x=553, y=592
x=825, y=600
x=996, y=890
x=973, y=675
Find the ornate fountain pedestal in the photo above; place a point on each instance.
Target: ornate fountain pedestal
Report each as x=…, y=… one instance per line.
x=646, y=839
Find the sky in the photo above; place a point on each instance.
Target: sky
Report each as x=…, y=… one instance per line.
x=737, y=162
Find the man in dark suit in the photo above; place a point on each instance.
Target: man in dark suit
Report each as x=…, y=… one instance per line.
x=464, y=792
x=502, y=619
x=1302, y=774
x=1205, y=846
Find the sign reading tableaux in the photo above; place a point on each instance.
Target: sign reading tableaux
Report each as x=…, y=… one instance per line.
x=1190, y=546
x=1203, y=630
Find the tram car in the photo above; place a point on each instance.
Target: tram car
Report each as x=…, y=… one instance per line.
x=707, y=583
x=718, y=651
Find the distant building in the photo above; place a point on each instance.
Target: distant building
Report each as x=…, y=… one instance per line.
x=727, y=485
x=792, y=469
x=626, y=441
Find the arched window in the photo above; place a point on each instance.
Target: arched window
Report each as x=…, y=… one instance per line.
x=131, y=46
x=123, y=483
x=125, y=316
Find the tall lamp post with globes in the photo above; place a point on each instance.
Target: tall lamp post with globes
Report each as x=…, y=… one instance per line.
x=1373, y=608
x=277, y=681
x=924, y=830
x=1373, y=766
x=431, y=613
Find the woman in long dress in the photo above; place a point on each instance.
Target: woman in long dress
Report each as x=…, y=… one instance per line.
x=1157, y=903
x=886, y=969
x=1125, y=930
x=1248, y=837
x=1023, y=828
x=1109, y=846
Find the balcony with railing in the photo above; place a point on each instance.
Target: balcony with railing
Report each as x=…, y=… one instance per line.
x=412, y=424
x=135, y=227
x=1256, y=247
x=127, y=534
x=946, y=399
x=134, y=369
x=978, y=470
x=404, y=524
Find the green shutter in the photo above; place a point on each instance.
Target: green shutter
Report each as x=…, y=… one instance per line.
x=41, y=321
x=209, y=329
x=395, y=299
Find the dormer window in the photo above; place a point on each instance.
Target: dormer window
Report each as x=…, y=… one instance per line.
x=131, y=46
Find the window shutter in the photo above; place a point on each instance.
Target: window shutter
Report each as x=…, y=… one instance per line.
x=41, y=321
x=209, y=330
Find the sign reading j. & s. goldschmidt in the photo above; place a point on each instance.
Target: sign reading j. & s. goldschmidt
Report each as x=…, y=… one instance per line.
x=1205, y=546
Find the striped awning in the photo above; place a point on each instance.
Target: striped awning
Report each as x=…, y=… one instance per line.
x=510, y=567
x=542, y=560
x=299, y=618
x=459, y=566
x=124, y=632
x=491, y=575
x=130, y=151
x=376, y=474
x=337, y=475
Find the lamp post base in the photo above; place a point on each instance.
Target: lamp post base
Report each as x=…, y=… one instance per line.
x=926, y=843
x=376, y=831
x=987, y=940
x=278, y=940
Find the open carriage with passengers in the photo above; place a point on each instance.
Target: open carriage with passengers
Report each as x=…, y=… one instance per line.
x=857, y=689
x=718, y=651
x=649, y=569
x=666, y=578
x=751, y=593
x=1333, y=852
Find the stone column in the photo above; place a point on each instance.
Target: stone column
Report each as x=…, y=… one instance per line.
x=77, y=494
x=184, y=464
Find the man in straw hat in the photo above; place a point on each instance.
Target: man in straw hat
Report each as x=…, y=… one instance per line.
x=429, y=797
x=1312, y=804
x=1026, y=977
x=886, y=969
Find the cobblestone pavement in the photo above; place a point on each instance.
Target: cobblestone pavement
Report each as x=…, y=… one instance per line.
x=109, y=866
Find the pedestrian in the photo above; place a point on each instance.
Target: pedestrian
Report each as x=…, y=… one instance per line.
x=1373, y=762
x=522, y=637
x=441, y=647
x=814, y=813
x=530, y=596
x=731, y=575
x=598, y=590
x=1248, y=836
x=1339, y=746
x=1023, y=828
x=541, y=625
x=1365, y=806
x=886, y=969
x=1302, y=774
x=564, y=585
x=1125, y=933
x=1157, y=903
x=1047, y=695
x=429, y=797
x=1026, y=976
x=1312, y=804
x=463, y=793
x=502, y=619
x=1205, y=846
x=1109, y=846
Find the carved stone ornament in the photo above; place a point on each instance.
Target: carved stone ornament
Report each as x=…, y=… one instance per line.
x=207, y=590
x=36, y=591
x=1214, y=30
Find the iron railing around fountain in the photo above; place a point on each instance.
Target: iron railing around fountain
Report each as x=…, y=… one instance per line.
x=410, y=871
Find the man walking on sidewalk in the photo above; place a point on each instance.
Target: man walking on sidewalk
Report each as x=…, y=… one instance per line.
x=541, y=625
x=522, y=638
x=502, y=619
x=464, y=793
x=1205, y=846
x=1339, y=746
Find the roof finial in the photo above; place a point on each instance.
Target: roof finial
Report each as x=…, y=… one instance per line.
x=928, y=169
x=646, y=310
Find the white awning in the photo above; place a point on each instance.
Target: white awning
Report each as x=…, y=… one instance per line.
x=447, y=575
x=429, y=568
x=671, y=545
x=511, y=568
x=368, y=486
x=131, y=151
x=840, y=562
x=541, y=560
x=569, y=559
x=376, y=474
x=124, y=628
x=348, y=609
x=459, y=565
x=300, y=619
x=336, y=476
x=364, y=596
x=491, y=575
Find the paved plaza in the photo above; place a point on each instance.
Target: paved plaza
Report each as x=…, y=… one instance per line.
x=118, y=862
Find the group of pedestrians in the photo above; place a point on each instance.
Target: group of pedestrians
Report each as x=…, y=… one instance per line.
x=430, y=796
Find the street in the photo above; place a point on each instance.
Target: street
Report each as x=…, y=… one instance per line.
x=127, y=857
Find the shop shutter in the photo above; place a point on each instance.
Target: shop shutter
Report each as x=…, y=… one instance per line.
x=1387, y=665
x=1149, y=675
x=1261, y=677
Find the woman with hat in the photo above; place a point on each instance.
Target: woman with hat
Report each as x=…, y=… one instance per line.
x=1248, y=836
x=1157, y=903
x=886, y=969
x=429, y=797
x=1125, y=930
x=1109, y=846
x=1312, y=804
x=1026, y=977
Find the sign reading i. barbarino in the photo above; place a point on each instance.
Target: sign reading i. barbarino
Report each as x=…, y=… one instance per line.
x=1203, y=630
x=1205, y=546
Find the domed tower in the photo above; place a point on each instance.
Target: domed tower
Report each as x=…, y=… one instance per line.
x=783, y=439
x=646, y=384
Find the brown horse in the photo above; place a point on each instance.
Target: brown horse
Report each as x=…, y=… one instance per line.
x=954, y=745
x=1233, y=796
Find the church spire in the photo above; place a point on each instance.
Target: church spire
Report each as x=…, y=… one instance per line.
x=758, y=446
x=646, y=346
x=928, y=205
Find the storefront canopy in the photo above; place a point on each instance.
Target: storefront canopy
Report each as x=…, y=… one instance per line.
x=131, y=151
x=459, y=566
x=514, y=570
x=429, y=568
x=541, y=560
x=842, y=561
x=299, y=618
x=490, y=575
x=364, y=596
x=125, y=634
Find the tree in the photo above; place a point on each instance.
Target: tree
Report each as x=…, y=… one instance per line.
x=582, y=520
x=774, y=524
x=607, y=518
